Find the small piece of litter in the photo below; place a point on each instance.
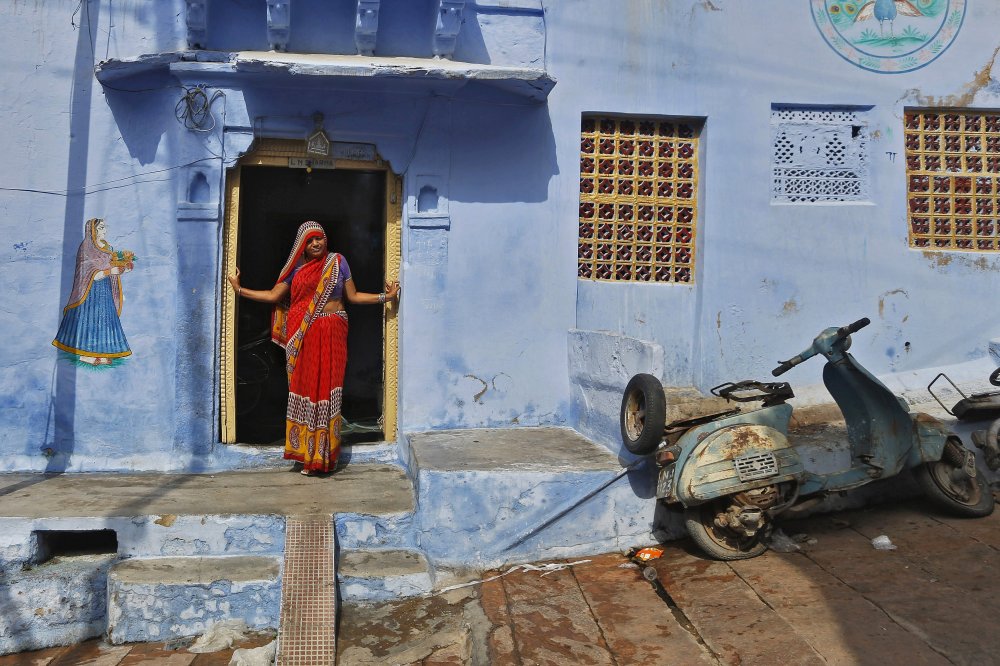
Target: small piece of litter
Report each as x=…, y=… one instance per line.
x=780, y=543
x=647, y=554
x=628, y=565
x=882, y=542
x=259, y=656
x=220, y=636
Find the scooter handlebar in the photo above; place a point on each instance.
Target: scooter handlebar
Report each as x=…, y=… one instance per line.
x=787, y=365
x=844, y=331
x=782, y=369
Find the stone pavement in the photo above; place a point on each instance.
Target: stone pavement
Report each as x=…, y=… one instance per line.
x=837, y=600
x=932, y=600
x=97, y=653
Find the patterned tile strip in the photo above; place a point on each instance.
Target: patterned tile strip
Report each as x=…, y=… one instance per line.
x=306, y=635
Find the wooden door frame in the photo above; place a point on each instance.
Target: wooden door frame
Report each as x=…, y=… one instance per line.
x=277, y=153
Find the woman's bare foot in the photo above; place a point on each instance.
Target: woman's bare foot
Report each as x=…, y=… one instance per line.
x=306, y=472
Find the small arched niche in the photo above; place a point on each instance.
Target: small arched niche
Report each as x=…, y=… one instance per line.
x=427, y=200
x=198, y=189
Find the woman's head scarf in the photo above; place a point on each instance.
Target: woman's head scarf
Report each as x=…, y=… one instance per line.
x=91, y=257
x=279, y=314
x=306, y=231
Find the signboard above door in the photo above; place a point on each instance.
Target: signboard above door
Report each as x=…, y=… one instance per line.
x=357, y=152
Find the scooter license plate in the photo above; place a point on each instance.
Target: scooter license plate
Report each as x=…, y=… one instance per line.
x=665, y=482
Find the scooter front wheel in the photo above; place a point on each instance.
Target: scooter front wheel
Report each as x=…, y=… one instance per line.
x=721, y=543
x=947, y=484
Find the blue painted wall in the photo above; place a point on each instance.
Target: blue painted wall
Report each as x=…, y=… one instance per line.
x=490, y=293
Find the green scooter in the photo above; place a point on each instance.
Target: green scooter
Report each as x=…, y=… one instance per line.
x=733, y=472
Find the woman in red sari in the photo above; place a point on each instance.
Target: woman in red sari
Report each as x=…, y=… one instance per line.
x=310, y=323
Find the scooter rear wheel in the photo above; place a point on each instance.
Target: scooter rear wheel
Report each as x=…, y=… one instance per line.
x=946, y=484
x=719, y=542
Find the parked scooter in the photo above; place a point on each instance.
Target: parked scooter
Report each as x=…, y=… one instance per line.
x=734, y=472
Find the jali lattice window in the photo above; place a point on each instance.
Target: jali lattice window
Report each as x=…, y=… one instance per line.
x=953, y=171
x=638, y=199
x=819, y=154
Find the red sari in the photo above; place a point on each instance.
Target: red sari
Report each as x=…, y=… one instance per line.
x=316, y=355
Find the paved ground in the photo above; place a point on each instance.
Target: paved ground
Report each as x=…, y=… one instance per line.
x=935, y=599
x=96, y=653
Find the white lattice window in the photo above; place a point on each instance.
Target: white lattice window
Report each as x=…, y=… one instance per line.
x=819, y=154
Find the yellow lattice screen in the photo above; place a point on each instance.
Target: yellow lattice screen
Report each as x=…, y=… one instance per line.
x=953, y=170
x=638, y=199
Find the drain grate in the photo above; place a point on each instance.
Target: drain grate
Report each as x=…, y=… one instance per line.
x=307, y=633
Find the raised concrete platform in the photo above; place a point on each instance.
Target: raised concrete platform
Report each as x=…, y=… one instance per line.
x=187, y=525
x=374, y=489
x=492, y=497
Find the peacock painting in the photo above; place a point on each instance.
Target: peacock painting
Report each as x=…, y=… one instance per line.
x=909, y=33
x=886, y=11
x=851, y=19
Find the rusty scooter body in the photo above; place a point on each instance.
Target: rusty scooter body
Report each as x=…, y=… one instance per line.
x=733, y=472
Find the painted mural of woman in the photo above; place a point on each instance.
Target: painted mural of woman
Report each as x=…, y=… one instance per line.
x=90, y=327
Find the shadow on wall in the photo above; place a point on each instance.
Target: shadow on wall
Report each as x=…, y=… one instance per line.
x=60, y=434
x=143, y=109
x=502, y=152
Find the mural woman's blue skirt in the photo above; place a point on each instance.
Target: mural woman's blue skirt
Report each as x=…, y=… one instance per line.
x=93, y=328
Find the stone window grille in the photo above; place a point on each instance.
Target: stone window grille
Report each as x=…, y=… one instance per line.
x=638, y=199
x=819, y=155
x=953, y=179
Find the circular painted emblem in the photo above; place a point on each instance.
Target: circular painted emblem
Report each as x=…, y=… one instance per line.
x=889, y=36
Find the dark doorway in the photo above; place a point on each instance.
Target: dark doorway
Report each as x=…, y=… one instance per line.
x=350, y=205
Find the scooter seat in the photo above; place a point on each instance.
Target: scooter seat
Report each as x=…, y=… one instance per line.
x=978, y=407
x=673, y=430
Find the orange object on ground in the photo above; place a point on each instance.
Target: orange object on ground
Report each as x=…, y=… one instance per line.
x=647, y=554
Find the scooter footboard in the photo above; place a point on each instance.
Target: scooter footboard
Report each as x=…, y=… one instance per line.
x=736, y=459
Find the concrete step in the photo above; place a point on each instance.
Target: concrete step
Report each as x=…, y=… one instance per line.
x=59, y=602
x=380, y=575
x=494, y=497
x=158, y=599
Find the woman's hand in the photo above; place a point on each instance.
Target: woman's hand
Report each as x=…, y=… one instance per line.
x=234, y=281
x=391, y=291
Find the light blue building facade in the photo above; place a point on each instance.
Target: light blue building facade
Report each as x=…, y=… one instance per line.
x=569, y=193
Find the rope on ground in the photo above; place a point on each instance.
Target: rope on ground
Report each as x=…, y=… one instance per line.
x=547, y=568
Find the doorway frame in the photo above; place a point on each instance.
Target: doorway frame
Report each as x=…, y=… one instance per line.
x=278, y=153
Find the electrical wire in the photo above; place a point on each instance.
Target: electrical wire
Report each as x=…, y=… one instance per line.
x=194, y=109
x=111, y=24
x=98, y=186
